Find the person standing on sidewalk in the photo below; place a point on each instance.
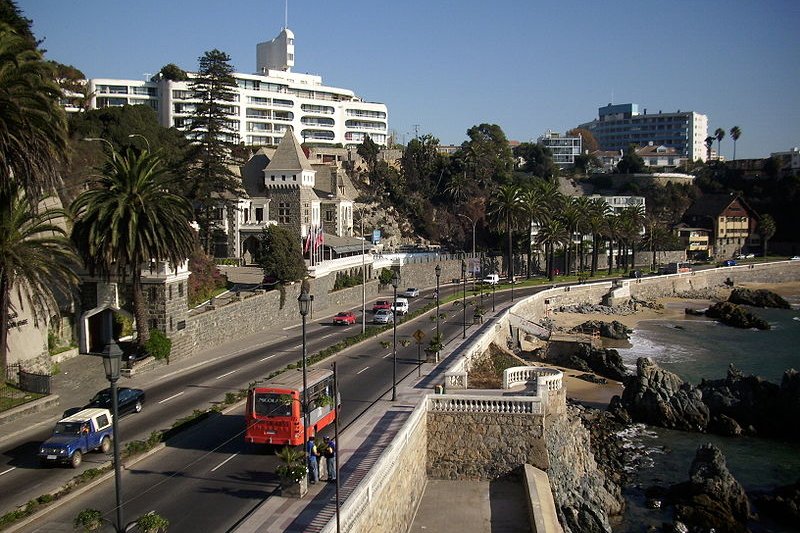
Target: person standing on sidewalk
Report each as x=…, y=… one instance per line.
x=313, y=460
x=329, y=451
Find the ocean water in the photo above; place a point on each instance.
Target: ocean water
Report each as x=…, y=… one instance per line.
x=697, y=348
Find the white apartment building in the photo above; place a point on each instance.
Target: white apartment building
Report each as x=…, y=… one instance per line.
x=563, y=147
x=266, y=104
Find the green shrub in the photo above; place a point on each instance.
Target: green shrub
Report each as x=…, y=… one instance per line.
x=88, y=520
x=159, y=345
x=152, y=522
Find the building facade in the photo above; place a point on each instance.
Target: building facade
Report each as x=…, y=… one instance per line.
x=620, y=125
x=730, y=221
x=563, y=148
x=266, y=104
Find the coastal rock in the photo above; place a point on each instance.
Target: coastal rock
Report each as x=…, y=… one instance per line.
x=712, y=498
x=605, y=362
x=781, y=504
x=613, y=330
x=758, y=298
x=661, y=398
x=734, y=315
x=585, y=496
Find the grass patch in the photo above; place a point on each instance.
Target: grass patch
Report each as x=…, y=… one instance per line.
x=12, y=396
x=488, y=373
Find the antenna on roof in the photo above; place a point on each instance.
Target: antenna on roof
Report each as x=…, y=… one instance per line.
x=286, y=14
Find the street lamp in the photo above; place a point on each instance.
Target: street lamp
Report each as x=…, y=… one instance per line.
x=464, y=299
x=395, y=284
x=438, y=271
x=363, y=279
x=100, y=139
x=473, y=222
x=146, y=140
x=112, y=356
x=304, y=302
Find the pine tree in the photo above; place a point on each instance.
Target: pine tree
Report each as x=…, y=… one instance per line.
x=212, y=183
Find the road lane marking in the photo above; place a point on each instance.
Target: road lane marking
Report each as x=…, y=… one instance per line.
x=298, y=346
x=7, y=471
x=225, y=461
x=225, y=374
x=360, y=371
x=171, y=397
x=267, y=357
x=326, y=336
x=387, y=355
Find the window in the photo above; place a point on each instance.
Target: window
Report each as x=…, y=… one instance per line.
x=170, y=292
x=259, y=214
x=329, y=214
x=180, y=290
x=283, y=213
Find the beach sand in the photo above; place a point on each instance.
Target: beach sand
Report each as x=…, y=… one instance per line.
x=599, y=395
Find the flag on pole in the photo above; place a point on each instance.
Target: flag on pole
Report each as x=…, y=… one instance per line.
x=308, y=241
x=320, y=238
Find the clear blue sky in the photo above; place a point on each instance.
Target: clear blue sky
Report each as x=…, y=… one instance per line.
x=448, y=65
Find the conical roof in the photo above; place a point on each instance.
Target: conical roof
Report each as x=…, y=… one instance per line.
x=289, y=155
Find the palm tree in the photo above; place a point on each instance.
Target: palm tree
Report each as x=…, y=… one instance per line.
x=596, y=223
x=719, y=133
x=583, y=207
x=33, y=128
x=506, y=206
x=553, y=234
x=458, y=187
x=36, y=258
x=130, y=218
x=611, y=230
x=709, y=144
x=736, y=132
x=766, y=229
x=570, y=217
x=631, y=220
x=536, y=211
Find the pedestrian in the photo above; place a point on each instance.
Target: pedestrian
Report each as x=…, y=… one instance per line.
x=313, y=460
x=329, y=451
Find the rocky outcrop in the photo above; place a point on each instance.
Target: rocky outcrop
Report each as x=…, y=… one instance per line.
x=781, y=504
x=732, y=406
x=659, y=397
x=610, y=330
x=603, y=361
x=585, y=496
x=736, y=316
x=753, y=405
x=758, y=298
x=712, y=498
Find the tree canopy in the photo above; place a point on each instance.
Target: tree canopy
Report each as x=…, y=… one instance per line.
x=280, y=254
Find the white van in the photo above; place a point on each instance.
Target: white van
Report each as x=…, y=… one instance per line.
x=491, y=279
x=401, y=308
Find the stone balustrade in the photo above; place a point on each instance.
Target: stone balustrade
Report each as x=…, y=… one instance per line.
x=460, y=403
x=546, y=379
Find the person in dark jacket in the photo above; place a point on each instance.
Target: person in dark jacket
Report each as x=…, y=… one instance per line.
x=329, y=451
x=313, y=460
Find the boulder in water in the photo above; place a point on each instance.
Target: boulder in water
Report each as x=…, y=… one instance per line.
x=737, y=316
x=758, y=298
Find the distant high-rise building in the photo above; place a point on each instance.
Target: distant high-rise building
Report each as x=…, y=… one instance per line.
x=563, y=147
x=266, y=104
x=620, y=125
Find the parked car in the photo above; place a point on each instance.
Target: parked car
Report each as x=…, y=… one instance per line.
x=73, y=436
x=381, y=304
x=128, y=400
x=491, y=279
x=411, y=292
x=383, y=316
x=795, y=258
x=345, y=318
x=401, y=308
x=728, y=263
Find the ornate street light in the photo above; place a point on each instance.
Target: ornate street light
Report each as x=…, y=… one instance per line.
x=438, y=271
x=112, y=357
x=146, y=140
x=304, y=302
x=395, y=283
x=464, y=299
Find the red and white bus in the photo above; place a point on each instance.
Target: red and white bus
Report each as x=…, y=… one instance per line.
x=274, y=409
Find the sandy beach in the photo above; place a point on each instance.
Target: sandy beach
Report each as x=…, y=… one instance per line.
x=672, y=309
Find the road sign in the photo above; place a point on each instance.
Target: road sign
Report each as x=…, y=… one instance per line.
x=419, y=335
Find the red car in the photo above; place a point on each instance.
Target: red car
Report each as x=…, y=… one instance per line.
x=382, y=304
x=345, y=318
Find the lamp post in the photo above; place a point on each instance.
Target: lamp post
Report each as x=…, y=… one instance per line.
x=112, y=356
x=363, y=280
x=395, y=284
x=146, y=140
x=473, y=222
x=438, y=271
x=304, y=302
x=464, y=298
x=100, y=139
x=494, y=285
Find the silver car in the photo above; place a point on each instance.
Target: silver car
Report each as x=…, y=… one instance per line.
x=383, y=316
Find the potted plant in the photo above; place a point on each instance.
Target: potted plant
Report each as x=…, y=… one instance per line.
x=88, y=520
x=293, y=473
x=152, y=522
x=434, y=346
x=477, y=314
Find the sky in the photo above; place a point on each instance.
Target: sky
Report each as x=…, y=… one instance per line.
x=444, y=66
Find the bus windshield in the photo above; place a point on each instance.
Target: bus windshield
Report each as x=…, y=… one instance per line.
x=272, y=404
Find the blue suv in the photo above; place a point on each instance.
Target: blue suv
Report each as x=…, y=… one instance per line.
x=75, y=435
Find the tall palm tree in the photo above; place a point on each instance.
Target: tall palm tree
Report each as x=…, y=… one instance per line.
x=766, y=229
x=127, y=219
x=611, y=230
x=570, y=217
x=36, y=258
x=736, y=132
x=583, y=207
x=506, y=206
x=596, y=223
x=709, y=144
x=536, y=212
x=33, y=128
x=719, y=133
x=553, y=234
x=631, y=220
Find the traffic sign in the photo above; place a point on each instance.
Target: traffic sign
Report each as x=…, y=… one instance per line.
x=419, y=335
